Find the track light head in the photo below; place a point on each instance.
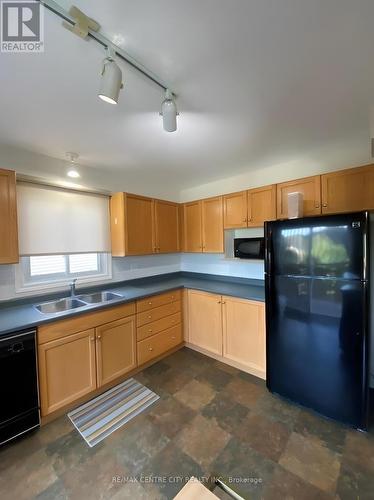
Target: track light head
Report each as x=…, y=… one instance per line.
x=169, y=112
x=71, y=170
x=111, y=80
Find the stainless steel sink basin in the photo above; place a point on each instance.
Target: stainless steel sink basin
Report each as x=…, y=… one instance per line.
x=96, y=298
x=60, y=305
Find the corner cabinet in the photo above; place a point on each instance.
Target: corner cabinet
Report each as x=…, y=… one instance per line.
x=8, y=218
x=230, y=329
x=349, y=190
x=143, y=226
x=310, y=187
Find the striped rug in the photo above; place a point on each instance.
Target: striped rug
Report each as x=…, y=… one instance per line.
x=101, y=416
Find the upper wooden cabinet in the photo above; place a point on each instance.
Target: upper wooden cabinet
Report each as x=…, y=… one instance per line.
x=235, y=210
x=348, y=190
x=115, y=349
x=142, y=226
x=203, y=225
x=8, y=218
x=311, y=189
x=192, y=227
x=166, y=226
x=261, y=205
x=212, y=224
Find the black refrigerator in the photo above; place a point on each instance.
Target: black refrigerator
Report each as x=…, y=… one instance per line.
x=317, y=314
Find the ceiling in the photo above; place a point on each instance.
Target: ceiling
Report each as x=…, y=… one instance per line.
x=257, y=81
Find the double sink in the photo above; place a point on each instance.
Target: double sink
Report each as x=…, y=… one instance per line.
x=69, y=303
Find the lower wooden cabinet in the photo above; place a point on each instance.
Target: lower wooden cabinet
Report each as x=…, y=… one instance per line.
x=244, y=333
x=205, y=320
x=67, y=370
x=231, y=328
x=156, y=345
x=115, y=350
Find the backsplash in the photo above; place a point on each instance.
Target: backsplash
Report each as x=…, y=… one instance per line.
x=126, y=268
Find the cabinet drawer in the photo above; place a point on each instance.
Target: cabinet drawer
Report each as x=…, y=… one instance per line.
x=146, y=331
x=158, y=344
x=158, y=300
x=146, y=317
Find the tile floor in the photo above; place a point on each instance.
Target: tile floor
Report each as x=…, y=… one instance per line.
x=211, y=419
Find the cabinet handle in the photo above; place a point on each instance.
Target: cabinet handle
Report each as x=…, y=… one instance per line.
x=150, y=348
x=155, y=249
x=99, y=337
x=245, y=220
x=317, y=205
x=219, y=302
x=324, y=205
x=150, y=330
x=173, y=337
x=149, y=303
x=223, y=303
x=149, y=317
x=92, y=339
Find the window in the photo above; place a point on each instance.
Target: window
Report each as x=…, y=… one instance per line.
x=55, y=270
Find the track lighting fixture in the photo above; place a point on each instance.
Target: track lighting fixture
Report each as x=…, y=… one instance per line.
x=169, y=112
x=71, y=170
x=111, y=79
x=111, y=75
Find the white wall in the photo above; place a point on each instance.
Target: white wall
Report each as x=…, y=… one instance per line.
x=53, y=170
x=356, y=153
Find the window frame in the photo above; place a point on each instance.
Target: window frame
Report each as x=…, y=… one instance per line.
x=25, y=283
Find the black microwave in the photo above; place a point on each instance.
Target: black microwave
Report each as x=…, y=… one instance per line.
x=249, y=248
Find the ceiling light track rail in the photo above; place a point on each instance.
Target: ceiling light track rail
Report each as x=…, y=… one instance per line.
x=54, y=7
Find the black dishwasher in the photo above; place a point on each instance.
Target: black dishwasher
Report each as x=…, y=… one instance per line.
x=19, y=407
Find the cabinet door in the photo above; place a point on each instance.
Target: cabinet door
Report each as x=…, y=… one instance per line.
x=244, y=333
x=205, y=321
x=115, y=349
x=235, y=210
x=67, y=370
x=311, y=189
x=348, y=190
x=192, y=227
x=212, y=223
x=8, y=218
x=117, y=224
x=139, y=225
x=261, y=205
x=166, y=226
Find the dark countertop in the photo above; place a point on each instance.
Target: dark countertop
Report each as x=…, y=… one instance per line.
x=21, y=314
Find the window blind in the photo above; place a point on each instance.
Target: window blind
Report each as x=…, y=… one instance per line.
x=58, y=221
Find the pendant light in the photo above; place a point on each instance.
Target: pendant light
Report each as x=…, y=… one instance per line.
x=111, y=79
x=71, y=170
x=169, y=112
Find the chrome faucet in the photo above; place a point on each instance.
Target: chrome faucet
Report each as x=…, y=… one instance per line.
x=72, y=287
